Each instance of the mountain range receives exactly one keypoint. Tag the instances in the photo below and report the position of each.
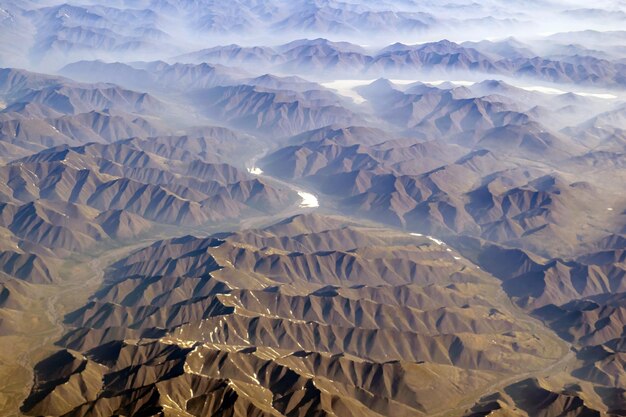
(312, 208)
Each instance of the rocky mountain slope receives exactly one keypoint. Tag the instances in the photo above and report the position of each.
(287, 320)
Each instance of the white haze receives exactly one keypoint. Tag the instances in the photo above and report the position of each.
(347, 88)
(186, 30)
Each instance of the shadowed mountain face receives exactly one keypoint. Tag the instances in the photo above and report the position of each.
(312, 208)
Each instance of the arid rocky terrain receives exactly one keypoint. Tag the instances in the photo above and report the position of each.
(312, 208)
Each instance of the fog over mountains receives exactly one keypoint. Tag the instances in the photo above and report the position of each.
(312, 208)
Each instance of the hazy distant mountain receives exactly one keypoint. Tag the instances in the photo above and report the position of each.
(233, 55)
(21, 89)
(154, 75)
(342, 60)
(268, 111)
